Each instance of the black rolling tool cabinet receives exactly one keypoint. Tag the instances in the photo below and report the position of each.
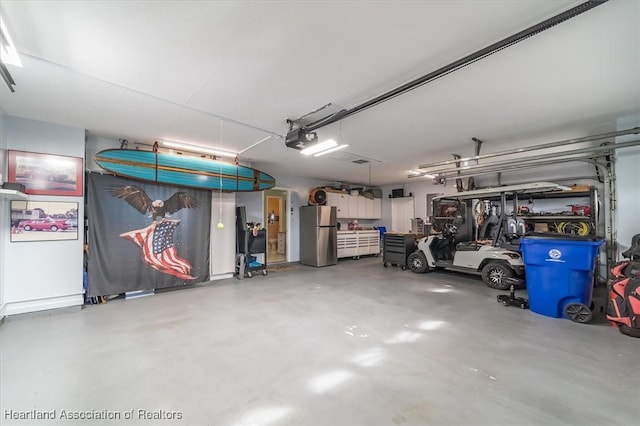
(397, 248)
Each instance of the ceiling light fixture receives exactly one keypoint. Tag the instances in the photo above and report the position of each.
(418, 173)
(321, 146)
(199, 148)
(335, 148)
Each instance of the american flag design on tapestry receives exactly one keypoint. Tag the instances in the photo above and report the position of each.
(158, 249)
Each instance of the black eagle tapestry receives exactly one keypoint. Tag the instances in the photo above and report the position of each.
(144, 236)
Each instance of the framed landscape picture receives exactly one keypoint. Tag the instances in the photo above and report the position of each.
(43, 221)
(46, 174)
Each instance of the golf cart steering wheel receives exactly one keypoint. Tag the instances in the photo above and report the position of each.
(449, 230)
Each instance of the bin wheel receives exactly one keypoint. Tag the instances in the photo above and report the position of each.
(385, 264)
(403, 267)
(578, 312)
(264, 272)
(249, 274)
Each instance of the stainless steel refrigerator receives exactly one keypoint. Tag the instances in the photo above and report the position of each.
(318, 236)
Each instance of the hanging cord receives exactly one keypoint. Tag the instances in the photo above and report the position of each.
(220, 224)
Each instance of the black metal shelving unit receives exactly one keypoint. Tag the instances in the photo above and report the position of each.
(583, 220)
(249, 242)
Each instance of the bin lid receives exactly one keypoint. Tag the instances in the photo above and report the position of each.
(556, 236)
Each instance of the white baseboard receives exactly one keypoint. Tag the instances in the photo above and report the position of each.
(221, 276)
(14, 308)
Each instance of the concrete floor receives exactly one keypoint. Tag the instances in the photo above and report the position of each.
(352, 344)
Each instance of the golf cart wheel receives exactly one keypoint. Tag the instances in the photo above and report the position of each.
(495, 275)
(417, 262)
(578, 312)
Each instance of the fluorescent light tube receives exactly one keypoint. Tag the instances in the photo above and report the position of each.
(8, 52)
(335, 148)
(330, 143)
(418, 173)
(200, 148)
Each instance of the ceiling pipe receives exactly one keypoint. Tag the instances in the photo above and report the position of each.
(443, 178)
(495, 169)
(609, 135)
(571, 179)
(590, 150)
(456, 65)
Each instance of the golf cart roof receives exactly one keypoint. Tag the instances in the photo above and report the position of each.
(525, 188)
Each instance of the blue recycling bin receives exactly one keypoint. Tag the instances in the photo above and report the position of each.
(559, 275)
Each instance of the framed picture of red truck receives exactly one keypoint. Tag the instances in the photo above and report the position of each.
(43, 221)
(46, 174)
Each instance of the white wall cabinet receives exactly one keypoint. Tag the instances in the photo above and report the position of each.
(341, 201)
(355, 206)
(377, 208)
(358, 243)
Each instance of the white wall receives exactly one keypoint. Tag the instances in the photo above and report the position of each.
(628, 186)
(223, 241)
(46, 274)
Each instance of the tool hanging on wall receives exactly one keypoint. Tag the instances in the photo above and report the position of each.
(459, 186)
(471, 184)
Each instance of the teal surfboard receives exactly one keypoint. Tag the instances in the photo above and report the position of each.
(180, 170)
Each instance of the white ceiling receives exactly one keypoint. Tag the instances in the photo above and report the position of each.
(147, 71)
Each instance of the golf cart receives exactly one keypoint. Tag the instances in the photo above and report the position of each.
(473, 233)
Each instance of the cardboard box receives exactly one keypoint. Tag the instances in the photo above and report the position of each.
(580, 188)
(541, 227)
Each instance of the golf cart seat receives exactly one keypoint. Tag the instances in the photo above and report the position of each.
(489, 228)
(514, 230)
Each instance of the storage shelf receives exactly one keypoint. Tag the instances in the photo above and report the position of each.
(563, 194)
(555, 217)
(12, 194)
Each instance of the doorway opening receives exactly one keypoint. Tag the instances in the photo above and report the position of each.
(275, 202)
